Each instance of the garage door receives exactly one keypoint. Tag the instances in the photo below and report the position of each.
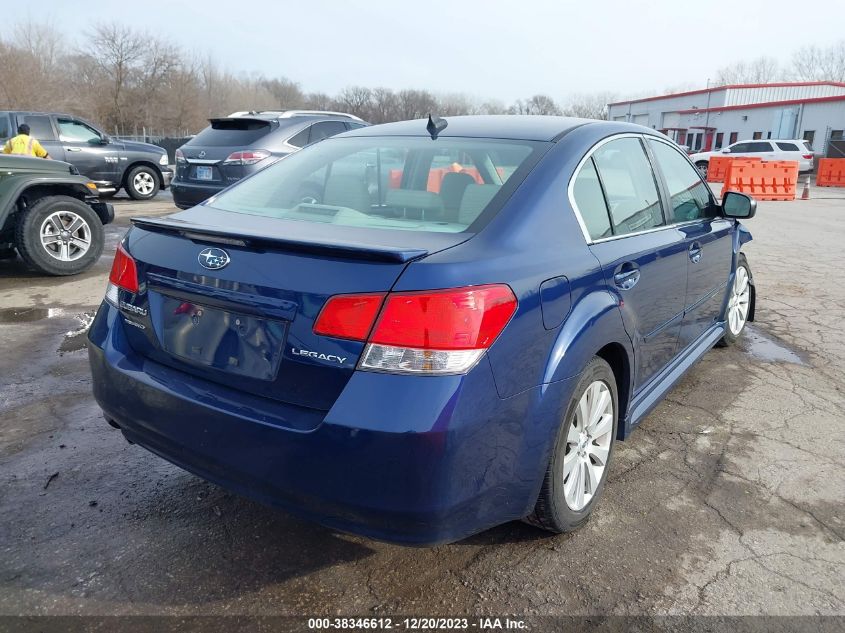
(640, 119)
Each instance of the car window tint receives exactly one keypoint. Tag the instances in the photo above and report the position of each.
(788, 147)
(759, 146)
(629, 186)
(739, 147)
(690, 197)
(354, 126)
(590, 201)
(75, 132)
(325, 129)
(40, 127)
(5, 127)
(300, 139)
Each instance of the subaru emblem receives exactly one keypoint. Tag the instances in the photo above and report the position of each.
(213, 258)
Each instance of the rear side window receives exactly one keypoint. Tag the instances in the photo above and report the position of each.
(40, 127)
(690, 197)
(629, 186)
(300, 139)
(231, 132)
(590, 201)
(788, 147)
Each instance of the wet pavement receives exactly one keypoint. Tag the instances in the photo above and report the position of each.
(727, 500)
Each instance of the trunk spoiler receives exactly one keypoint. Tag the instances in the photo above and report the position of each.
(239, 237)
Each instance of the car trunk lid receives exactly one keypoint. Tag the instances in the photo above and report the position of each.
(249, 324)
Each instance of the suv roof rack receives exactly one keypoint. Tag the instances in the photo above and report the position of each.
(286, 114)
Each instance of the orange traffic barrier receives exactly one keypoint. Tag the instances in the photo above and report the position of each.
(718, 166)
(776, 180)
(831, 172)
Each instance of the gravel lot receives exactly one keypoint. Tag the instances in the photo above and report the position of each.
(727, 500)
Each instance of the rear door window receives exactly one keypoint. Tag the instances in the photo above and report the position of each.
(40, 127)
(787, 147)
(759, 146)
(325, 129)
(232, 133)
(629, 186)
(690, 197)
(589, 199)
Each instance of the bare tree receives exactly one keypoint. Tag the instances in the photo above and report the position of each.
(416, 104)
(756, 71)
(286, 92)
(538, 105)
(813, 63)
(385, 106)
(357, 100)
(317, 101)
(589, 106)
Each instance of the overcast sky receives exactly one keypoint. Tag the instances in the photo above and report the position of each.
(485, 48)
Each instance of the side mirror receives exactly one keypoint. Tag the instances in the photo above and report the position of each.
(738, 205)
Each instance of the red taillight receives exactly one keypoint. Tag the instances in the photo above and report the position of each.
(180, 156)
(461, 318)
(246, 157)
(807, 156)
(124, 273)
(426, 332)
(349, 316)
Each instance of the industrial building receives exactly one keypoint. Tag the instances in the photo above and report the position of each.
(712, 118)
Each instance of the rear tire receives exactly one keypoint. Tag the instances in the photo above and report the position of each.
(59, 235)
(142, 183)
(582, 453)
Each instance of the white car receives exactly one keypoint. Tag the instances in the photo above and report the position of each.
(767, 149)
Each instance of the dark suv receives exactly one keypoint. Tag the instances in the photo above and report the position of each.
(140, 168)
(244, 142)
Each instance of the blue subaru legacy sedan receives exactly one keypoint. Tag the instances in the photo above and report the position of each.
(419, 330)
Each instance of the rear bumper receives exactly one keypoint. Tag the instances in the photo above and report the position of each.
(399, 458)
(186, 195)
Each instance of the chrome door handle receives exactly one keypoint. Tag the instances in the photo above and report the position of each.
(627, 279)
(695, 252)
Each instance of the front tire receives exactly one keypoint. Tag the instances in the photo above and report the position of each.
(142, 183)
(578, 467)
(739, 303)
(59, 235)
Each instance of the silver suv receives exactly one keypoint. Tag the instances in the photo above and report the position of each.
(244, 142)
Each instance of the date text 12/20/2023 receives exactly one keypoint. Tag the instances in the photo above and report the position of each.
(417, 624)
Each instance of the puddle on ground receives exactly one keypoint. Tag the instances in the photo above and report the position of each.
(29, 315)
(767, 348)
(74, 340)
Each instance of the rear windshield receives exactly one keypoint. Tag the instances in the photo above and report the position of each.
(236, 132)
(408, 183)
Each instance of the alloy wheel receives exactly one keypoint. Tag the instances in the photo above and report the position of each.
(739, 301)
(65, 236)
(144, 183)
(588, 444)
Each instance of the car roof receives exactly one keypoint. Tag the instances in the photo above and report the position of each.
(504, 126)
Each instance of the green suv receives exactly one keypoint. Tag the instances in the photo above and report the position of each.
(50, 215)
